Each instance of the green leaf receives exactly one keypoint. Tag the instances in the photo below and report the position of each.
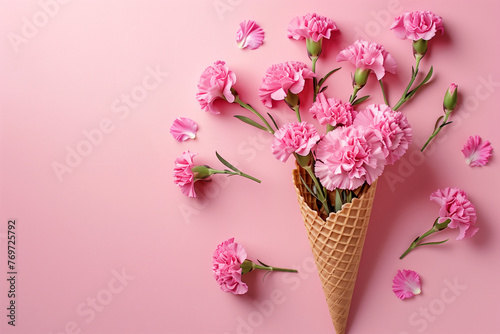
(427, 77)
(437, 122)
(323, 89)
(274, 122)
(308, 189)
(251, 122)
(322, 81)
(360, 100)
(225, 163)
(338, 200)
(262, 263)
(412, 71)
(433, 243)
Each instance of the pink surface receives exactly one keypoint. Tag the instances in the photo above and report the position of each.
(112, 246)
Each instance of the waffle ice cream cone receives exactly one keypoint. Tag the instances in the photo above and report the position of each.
(337, 244)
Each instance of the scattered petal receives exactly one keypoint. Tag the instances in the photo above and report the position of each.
(183, 129)
(476, 151)
(406, 284)
(249, 35)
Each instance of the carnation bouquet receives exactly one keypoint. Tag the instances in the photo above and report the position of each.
(337, 167)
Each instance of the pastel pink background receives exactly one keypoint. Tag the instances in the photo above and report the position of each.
(118, 209)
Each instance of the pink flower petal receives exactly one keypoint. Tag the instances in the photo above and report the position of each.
(476, 151)
(406, 284)
(183, 129)
(250, 35)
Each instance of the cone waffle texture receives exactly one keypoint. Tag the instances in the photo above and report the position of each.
(337, 244)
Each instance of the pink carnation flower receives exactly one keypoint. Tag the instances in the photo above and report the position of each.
(283, 78)
(294, 137)
(406, 284)
(183, 175)
(392, 128)
(348, 156)
(476, 151)
(227, 260)
(311, 26)
(183, 129)
(215, 83)
(456, 206)
(332, 111)
(369, 56)
(417, 25)
(250, 35)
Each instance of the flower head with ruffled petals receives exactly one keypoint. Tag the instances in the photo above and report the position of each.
(311, 26)
(226, 265)
(183, 175)
(282, 79)
(294, 137)
(215, 83)
(332, 111)
(456, 207)
(349, 156)
(417, 25)
(392, 127)
(369, 56)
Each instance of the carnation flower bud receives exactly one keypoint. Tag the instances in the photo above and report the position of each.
(419, 48)
(360, 77)
(313, 48)
(450, 97)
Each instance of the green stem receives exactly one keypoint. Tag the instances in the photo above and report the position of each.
(403, 98)
(320, 190)
(354, 93)
(297, 112)
(315, 80)
(415, 243)
(250, 108)
(437, 130)
(256, 266)
(383, 92)
(239, 173)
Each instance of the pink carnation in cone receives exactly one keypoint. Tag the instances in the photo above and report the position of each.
(283, 78)
(347, 157)
(294, 137)
(392, 127)
(226, 265)
(332, 111)
(417, 25)
(456, 206)
(215, 83)
(311, 26)
(183, 175)
(369, 56)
